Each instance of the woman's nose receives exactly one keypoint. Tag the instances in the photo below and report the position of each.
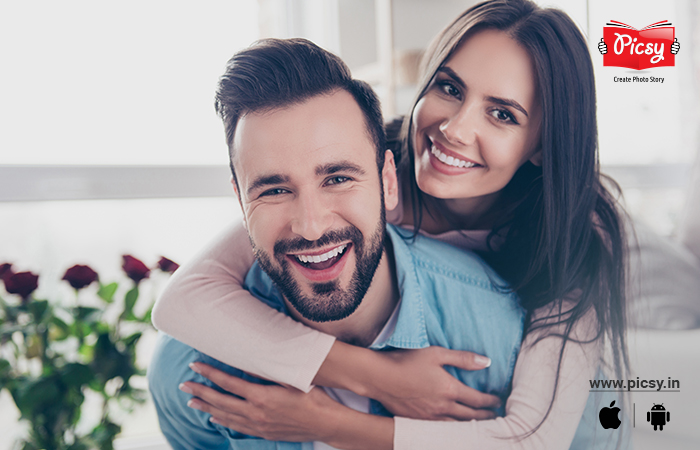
(460, 128)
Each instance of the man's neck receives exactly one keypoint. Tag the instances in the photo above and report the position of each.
(363, 326)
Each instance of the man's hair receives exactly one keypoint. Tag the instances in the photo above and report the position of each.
(277, 73)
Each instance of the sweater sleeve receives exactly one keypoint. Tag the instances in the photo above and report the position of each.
(533, 385)
(205, 306)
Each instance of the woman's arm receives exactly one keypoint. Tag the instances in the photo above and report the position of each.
(205, 306)
(268, 411)
(533, 384)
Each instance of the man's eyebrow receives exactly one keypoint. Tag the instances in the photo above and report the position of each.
(499, 100)
(341, 166)
(266, 180)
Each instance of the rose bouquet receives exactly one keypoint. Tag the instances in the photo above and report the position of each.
(52, 354)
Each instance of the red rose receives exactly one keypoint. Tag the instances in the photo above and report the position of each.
(5, 270)
(135, 269)
(80, 276)
(167, 265)
(21, 283)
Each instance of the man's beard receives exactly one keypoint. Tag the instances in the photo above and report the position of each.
(330, 301)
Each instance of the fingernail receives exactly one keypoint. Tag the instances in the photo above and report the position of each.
(213, 420)
(194, 404)
(194, 367)
(482, 360)
(184, 388)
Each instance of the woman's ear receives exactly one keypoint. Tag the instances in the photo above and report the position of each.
(536, 159)
(390, 181)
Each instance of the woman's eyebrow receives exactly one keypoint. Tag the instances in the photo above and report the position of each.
(499, 100)
(452, 74)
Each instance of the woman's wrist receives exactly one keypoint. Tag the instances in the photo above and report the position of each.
(351, 368)
(358, 431)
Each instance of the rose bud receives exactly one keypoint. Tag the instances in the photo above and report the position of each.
(167, 265)
(21, 283)
(135, 269)
(80, 276)
(5, 270)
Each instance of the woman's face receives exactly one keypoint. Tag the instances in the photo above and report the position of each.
(478, 121)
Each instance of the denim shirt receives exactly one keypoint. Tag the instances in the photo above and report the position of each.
(449, 298)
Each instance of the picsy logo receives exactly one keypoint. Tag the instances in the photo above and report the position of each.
(653, 46)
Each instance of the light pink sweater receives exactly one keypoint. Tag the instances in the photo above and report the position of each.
(205, 307)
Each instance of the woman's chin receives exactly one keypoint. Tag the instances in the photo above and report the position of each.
(434, 187)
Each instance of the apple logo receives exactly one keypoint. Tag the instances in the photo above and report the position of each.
(608, 417)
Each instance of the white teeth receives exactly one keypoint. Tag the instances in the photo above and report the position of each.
(449, 160)
(324, 257)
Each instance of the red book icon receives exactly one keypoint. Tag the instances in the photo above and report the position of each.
(639, 49)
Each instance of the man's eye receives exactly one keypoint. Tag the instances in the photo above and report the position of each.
(273, 192)
(337, 180)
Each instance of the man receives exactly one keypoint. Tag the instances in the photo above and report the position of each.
(312, 177)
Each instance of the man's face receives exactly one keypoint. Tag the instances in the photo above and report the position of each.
(312, 201)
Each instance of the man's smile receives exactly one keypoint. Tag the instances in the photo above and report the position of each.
(323, 265)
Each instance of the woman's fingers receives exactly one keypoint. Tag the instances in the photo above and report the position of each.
(461, 412)
(223, 418)
(230, 383)
(474, 399)
(463, 359)
(214, 398)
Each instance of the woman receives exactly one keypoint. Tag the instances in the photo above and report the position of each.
(499, 155)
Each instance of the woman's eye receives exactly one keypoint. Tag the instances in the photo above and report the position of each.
(448, 88)
(503, 115)
(337, 180)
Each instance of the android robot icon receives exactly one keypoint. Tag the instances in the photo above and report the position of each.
(658, 416)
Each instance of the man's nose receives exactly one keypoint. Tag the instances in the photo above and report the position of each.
(313, 216)
(460, 128)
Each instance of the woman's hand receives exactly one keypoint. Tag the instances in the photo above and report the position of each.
(282, 413)
(410, 383)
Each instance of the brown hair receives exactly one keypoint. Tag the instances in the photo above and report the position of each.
(274, 73)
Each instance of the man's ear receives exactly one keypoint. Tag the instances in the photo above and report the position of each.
(536, 159)
(235, 188)
(240, 203)
(390, 181)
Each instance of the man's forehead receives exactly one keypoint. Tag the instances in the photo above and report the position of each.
(324, 131)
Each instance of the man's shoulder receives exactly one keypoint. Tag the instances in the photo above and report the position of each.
(432, 257)
(169, 365)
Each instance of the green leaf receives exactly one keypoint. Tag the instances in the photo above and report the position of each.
(35, 394)
(86, 351)
(131, 341)
(76, 374)
(79, 444)
(129, 302)
(147, 317)
(107, 291)
(39, 309)
(104, 434)
(87, 314)
(59, 330)
(5, 374)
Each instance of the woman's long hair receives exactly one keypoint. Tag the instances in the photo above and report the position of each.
(559, 231)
